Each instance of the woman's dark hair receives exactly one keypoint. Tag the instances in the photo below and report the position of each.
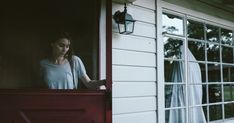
(63, 35)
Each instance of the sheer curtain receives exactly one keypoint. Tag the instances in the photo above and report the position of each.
(196, 115)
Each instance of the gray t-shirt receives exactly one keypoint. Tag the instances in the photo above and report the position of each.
(60, 76)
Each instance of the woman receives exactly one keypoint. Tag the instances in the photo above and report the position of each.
(62, 69)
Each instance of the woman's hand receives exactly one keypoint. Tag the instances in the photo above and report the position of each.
(103, 86)
(93, 84)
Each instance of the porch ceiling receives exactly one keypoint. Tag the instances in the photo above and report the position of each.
(226, 5)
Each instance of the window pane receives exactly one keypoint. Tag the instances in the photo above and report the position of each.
(213, 52)
(226, 37)
(172, 24)
(228, 92)
(214, 73)
(228, 73)
(175, 116)
(194, 73)
(227, 54)
(197, 49)
(174, 71)
(197, 115)
(215, 93)
(195, 94)
(172, 48)
(212, 33)
(205, 111)
(203, 71)
(215, 112)
(195, 30)
(204, 94)
(229, 109)
(167, 70)
(174, 96)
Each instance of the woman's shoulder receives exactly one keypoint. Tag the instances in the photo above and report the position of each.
(76, 58)
(45, 62)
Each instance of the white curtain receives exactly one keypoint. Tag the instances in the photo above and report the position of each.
(196, 115)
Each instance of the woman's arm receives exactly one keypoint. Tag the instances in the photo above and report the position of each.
(92, 84)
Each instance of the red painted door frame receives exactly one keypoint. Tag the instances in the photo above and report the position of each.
(109, 58)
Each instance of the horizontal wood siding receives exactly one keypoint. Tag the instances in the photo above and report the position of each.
(134, 66)
(140, 29)
(133, 74)
(126, 42)
(133, 104)
(137, 13)
(150, 4)
(142, 117)
(124, 57)
(130, 89)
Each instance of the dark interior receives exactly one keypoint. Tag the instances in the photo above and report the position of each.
(25, 28)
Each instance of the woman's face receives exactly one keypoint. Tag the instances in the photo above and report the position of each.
(60, 47)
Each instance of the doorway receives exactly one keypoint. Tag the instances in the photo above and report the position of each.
(25, 32)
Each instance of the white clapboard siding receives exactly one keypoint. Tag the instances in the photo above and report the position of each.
(145, 117)
(144, 29)
(136, 12)
(131, 105)
(130, 73)
(123, 57)
(135, 43)
(134, 66)
(130, 89)
(140, 29)
(145, 3)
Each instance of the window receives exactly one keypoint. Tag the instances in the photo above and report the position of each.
(198, 69)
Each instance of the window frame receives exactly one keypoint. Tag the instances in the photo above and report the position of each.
(162, 7)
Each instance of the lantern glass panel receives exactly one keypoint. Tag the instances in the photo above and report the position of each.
(129, 26)
(121, 28)
(126, 28)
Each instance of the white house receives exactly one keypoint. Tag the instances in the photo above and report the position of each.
(153, 82)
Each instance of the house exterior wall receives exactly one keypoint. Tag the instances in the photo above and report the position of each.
(134, 66)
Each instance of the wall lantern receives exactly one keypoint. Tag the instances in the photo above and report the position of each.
(125, 21)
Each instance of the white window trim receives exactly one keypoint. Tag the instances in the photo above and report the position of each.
(191, 14)
(160, 65)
